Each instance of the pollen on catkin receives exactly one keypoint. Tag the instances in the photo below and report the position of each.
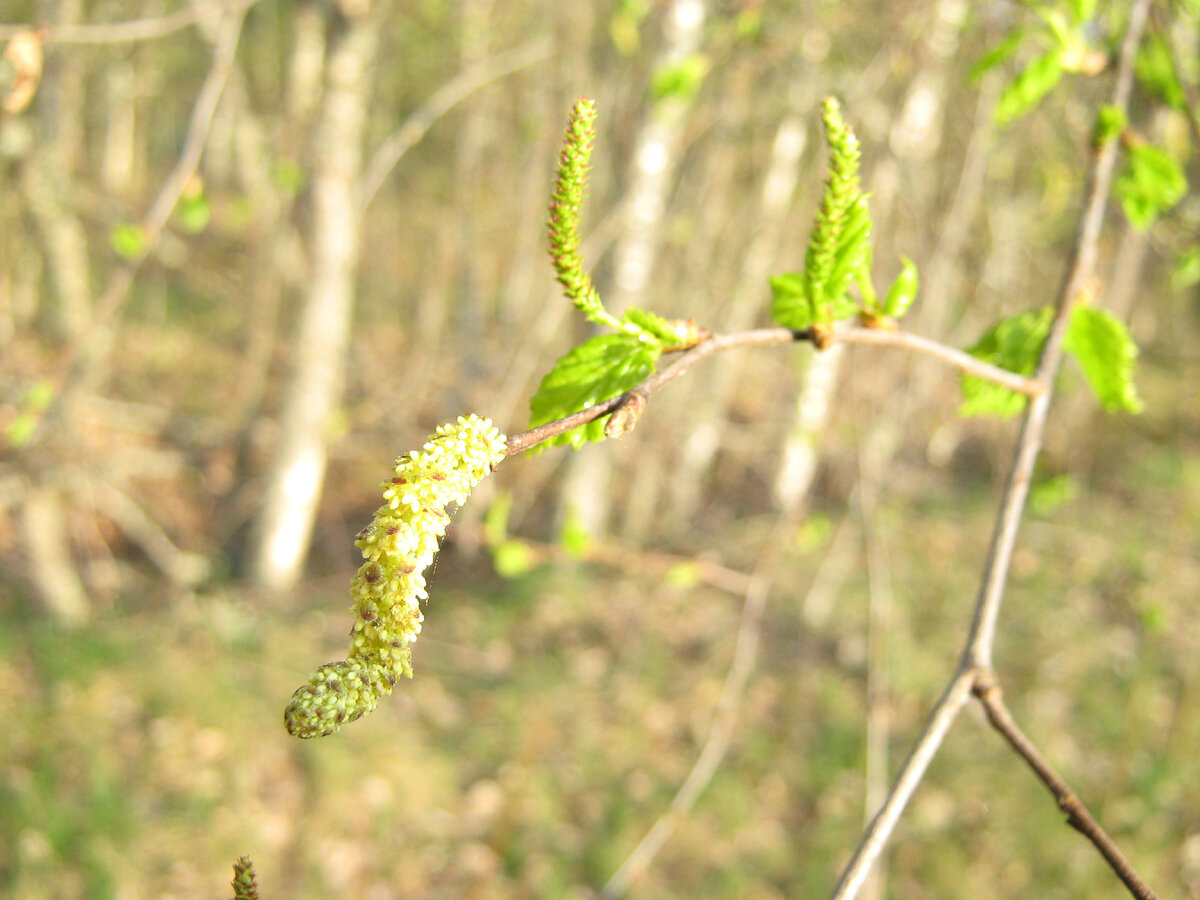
(397, 547)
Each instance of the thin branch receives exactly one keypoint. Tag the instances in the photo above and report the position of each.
(399, 142)
(84, 357)
(145, 29)
(876, 835)
(1191, 96)
(963, 361)
(1077, 285)
(527, 439)
(715, 745)
(988, 692)
(977, 653)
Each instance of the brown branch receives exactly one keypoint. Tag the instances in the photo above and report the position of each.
(977, 652)
(439, 103)
(82, 361)
(527, 439)
(145, 29)
(987, 691)
(960, 360)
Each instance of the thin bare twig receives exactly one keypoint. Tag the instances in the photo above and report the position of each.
(131, 30)
(84, 357)
(716, 744)
(977, 653)
(965, 362)
(987, 691)
(439, 103)
(720, 731)
(1077, 285)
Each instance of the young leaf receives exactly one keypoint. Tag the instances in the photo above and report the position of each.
(1156, 71)
(1014, 344)
(653, 328)
(680, 80)
(1151, 183)
(1106, 354)
(128, 240)
(1030, 86)
(903, 290)
(1110, 122)
(600, 368)
(790, 306)
(998, 54)
(840, 243)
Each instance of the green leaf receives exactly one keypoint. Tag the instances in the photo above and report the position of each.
(289, 175)
(997, 55)
(128, 240)
(851, 254)
(790, 306)
(1106, 353)
(575, 538)
(601, 367)
(903, 291)
(1047, 496)
(513, 558)
(653, 327)
(1110, 122)
(193, 213)
(1082, 10)
(1030, 86)
(1156, 71)
(1014, 344)
(680, 80)
(1152, 183)
(1185, 273)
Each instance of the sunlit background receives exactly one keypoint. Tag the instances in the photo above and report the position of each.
(358, 255)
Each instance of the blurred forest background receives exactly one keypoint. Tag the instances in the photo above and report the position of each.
(200, 398)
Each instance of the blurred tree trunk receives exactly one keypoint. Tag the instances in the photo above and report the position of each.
(47, 540)
(297, 470)
(46, 182)
(587, 485)
(709, 405)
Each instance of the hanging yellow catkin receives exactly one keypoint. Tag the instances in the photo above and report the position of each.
(388, 588)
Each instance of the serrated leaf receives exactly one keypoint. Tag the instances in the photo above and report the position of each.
(903, 291)
(1106, 353)
(1029, 87)
(1152, 183)
(1014, 344)
(653, 326)
(790, 306)
(849, 259)
(601, 367)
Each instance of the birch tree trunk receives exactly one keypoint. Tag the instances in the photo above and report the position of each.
(297, 471)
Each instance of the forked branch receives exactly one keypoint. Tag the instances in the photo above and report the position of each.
(976, 661)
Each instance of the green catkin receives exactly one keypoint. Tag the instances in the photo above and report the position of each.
(245, 887)
(397, 547)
